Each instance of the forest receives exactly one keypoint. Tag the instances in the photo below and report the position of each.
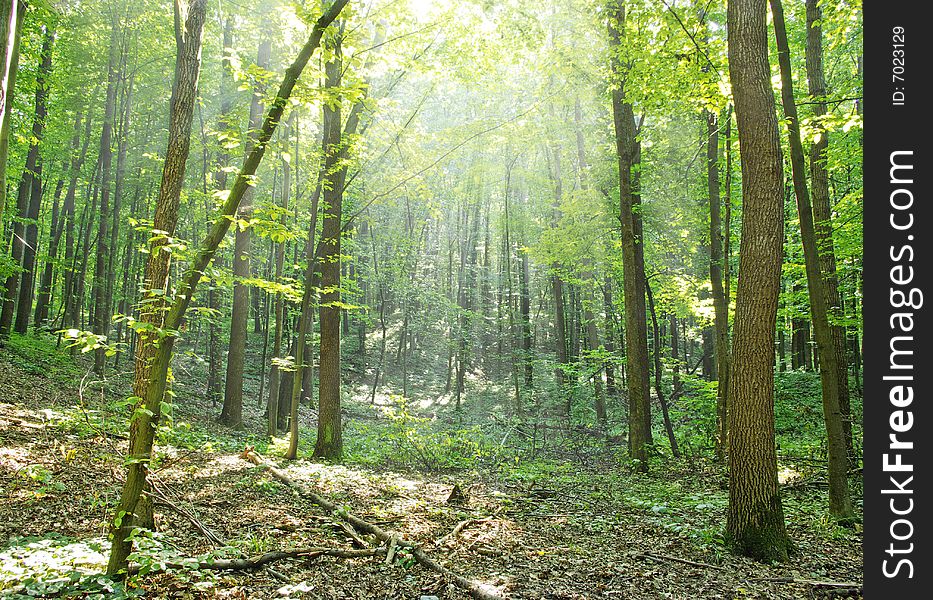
(430, 299)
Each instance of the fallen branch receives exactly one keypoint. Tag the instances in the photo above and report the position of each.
(256, 562)
(654, 556)
(159, 497)
(477, 590)
(813, 582)
(460, 527)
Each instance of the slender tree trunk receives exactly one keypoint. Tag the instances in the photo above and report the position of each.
(557, 284)
(153, 351)
(822, 217)
(636, 330)
(30, 253)
(658, 375)
(101, 276)
(610, 328)
(12, 14)
(215, 295)
(720, 303)
(273, 405)
(232, 411)
(840, 503)
(28, 200)
(120, 183)
(755, 516)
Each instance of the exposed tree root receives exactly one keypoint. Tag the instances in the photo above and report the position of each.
(477, 590)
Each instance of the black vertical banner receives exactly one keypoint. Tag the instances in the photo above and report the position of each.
(898, 253)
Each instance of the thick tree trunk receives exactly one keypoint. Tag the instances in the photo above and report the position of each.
(329, 444)
(755, 516)
(840, 503)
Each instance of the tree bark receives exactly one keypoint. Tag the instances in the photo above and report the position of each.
(720, 302)
(273, 403)
(101, 312)
(633, 265)
(154, 348)
(822, 217)
(232, 411)
(29, 197)
(329, 442)
(755, 516)
(12, 13)
(214, 295)
(840, 503)
(658, 373)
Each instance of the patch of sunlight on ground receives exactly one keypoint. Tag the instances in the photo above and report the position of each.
(787, 475)
(13, 459)
(53, 558)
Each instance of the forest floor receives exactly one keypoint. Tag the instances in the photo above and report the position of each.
(579, 527)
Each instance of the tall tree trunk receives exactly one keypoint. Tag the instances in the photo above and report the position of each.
(29, 196)
(153, 351)
(557, 284)
(636, 327)
(822, 217)
(720, 302)
(755, 516)
(840, 504)
(120, 179)
(101, 302)
(232, 411)
(273, 405)
(524, 306)
(329, 442)
(12, 13)
(658, 374)
(214, 295)
(27, 285)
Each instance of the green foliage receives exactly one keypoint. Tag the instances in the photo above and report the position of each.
(695, 414)
(59, 566)
(406, 440)
(798, 413)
